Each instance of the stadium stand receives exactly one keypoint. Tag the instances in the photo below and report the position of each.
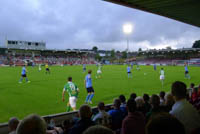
(19, 57)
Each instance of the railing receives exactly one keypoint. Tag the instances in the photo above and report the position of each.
(58, 118)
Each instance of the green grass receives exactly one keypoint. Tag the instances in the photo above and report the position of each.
(43, 94)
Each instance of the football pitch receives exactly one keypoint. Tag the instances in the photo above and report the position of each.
(43, 95)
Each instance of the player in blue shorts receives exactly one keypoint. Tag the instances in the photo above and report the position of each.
(187, 76)
(131, 65)
(154, 67)
(84, 67)
(23, 75)
(129, 72)
(88, 85)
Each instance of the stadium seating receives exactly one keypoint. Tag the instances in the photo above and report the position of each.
(19, 60)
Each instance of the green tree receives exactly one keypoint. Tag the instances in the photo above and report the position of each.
(168, 48)
(112, 53)
(98, 57)
(95, 49)
(124, 54)
(140, 49)
(196, 44)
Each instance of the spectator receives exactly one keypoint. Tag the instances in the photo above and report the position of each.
(32, 124)
(155, 103)
(182, 109)
(164, 123)
(67, 125)
(12, 124)
(162, 98)
(85, 113)
(102, 118)
(134, 123)
(140, 104)
(98, 130)
(199, 91)
(133, 96)
(122, 98)
(147, 105)
(116, 115)
(194, 96)
(169, 102)
(189, 91)
(123, 105)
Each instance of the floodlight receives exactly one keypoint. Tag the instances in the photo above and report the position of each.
(127, 28)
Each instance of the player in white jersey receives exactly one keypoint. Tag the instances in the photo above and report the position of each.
(138, 67)
(39, 68)
(99, 72)
(162, 75)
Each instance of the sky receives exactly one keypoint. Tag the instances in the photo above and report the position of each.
(82, 24)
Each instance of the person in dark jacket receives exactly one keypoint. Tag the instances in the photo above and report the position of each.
(134, 123)
(85, 113)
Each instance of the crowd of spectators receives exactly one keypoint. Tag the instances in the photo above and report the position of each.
(19, 60)
(176, 112)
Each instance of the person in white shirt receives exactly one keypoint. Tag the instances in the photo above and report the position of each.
(182, 109)
(162, 75)
(102, 118)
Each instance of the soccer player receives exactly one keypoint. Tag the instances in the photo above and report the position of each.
(73, 91)
(47, 68)
(162, 75)
(84, 67)
(154, 67)
(99, 72)
(129, 71)
(187, 76)
(23, 75)
(39, 68)
(131, 65)
(88, 85)
(138, 67)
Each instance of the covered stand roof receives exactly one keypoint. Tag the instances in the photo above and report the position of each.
(187, 11)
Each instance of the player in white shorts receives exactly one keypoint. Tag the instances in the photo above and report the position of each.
(73, 91)
(162, 75)
(99, 72)
(39, 68)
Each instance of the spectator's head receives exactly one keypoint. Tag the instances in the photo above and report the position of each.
(164, 123)
(98, 129)
(117, 104)
(179, 90)
(169, 100)
(122, 99)
(32, 124)
(101, 106)
(133, 96)
(192, 85)
(146, 97)
(13, 123)
(131, 105)
(89, 71)
(69, 78)
(85, 111)
(139, 101)
(155, 100)
(162, 94)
